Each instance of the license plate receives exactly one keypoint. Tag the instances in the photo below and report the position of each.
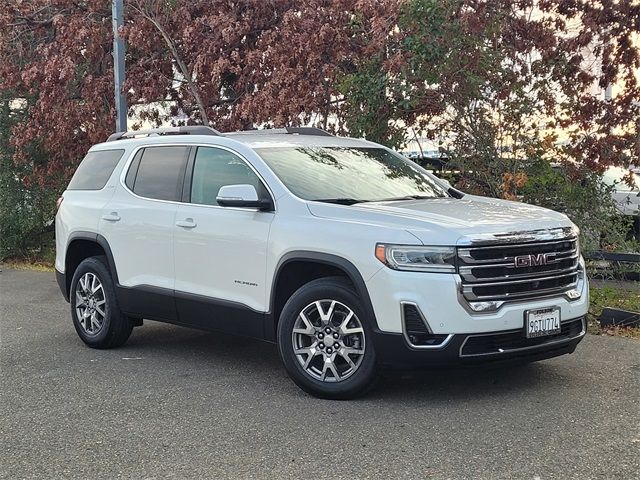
(542, 322)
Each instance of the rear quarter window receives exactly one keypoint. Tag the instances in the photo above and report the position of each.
(95, 169)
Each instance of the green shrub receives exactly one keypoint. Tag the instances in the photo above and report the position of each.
(585, 199)
(26, 211)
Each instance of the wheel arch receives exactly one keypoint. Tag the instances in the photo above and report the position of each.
(325, 264)
(83, 245)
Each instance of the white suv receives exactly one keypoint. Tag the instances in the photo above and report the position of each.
(347, 255)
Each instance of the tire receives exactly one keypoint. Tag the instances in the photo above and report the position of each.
(94, 308)
(303, 330)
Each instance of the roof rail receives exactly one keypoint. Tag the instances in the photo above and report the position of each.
(308, 131)
(286, 130)
(188, 130)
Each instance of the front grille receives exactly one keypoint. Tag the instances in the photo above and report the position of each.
(504, 342)
(416, 329)
(521, 271)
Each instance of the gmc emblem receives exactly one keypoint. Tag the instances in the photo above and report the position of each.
(533, 260)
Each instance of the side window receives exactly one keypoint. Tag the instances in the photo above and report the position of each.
(215, 168)
(95, 169)
(130, 180)
(161, 173)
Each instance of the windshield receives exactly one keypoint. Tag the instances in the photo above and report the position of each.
(348, 174)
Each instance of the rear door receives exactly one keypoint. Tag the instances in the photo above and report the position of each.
(138, 224)
(220, 252)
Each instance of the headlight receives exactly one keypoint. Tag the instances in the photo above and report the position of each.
(417, 258)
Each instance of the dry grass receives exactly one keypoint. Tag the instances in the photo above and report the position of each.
(23, 265)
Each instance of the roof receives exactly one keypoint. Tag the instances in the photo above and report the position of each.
(263, 139)
(266, 138)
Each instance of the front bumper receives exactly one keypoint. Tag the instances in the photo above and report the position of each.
(438, 297)
(506, 346)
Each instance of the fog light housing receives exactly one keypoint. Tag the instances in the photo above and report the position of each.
(573, 294)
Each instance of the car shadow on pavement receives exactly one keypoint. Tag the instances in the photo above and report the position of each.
(471, 382)
(241, 357)
(210, 348)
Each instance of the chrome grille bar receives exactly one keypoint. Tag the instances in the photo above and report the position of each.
(573, 254)
(496, 272)
(545, 292)
(467, 275)
(520, 245)
(466, 254)
(490, 262)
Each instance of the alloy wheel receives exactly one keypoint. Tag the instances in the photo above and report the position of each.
(90, 303)
(328, 340)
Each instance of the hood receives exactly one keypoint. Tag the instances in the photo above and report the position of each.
(450, 221)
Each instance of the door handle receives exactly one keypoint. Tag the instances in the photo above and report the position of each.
(186, 223)
(111, 217)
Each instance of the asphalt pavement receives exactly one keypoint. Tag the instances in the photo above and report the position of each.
(178, 403)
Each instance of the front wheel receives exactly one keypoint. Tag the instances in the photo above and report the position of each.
(325, 340)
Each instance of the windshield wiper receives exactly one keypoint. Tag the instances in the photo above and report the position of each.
(407, 197)
(353, 201)
(339, 201)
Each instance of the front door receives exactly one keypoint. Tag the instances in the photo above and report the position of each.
(220, 252)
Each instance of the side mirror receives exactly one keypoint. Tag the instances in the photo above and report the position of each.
(244, 196)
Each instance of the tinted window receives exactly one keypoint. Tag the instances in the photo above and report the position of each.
(348, 173)
(215, 168)
(95, 169)
(161, 173)
(133, 170)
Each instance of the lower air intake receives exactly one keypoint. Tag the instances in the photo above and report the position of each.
(500, 342)
(416, 329)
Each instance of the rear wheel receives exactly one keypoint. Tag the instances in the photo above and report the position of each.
(325, 342)
(94, 307)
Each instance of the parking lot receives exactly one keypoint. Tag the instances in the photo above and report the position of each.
(178, 403)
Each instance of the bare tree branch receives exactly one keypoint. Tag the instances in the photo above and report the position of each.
(153, 18)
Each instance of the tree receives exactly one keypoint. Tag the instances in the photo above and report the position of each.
(252, 63)
(26, 211)
(56, 98)
(235, 64)
(58, 54)
(511, 86)
(504, 79)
